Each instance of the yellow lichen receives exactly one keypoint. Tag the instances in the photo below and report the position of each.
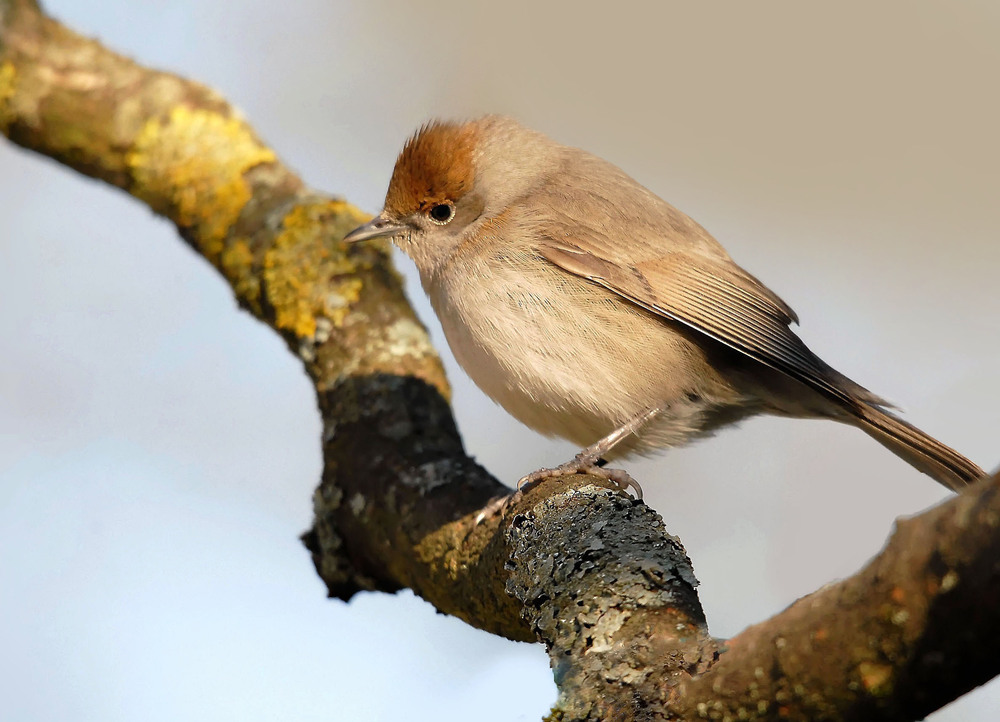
(306, 276)
(8, 74)
(236, 264)
(190, 167)
(876, 678)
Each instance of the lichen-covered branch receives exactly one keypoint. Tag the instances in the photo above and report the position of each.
(916, 628)
(578, 566)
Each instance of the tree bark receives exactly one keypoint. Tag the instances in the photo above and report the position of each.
(573, 563)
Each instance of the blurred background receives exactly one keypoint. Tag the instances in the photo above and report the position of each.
(158, 447)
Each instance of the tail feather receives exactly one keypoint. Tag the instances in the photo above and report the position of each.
(923, 452)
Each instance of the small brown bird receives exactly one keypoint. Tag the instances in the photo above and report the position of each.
(591, 309)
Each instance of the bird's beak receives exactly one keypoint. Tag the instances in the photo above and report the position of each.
(377, 227)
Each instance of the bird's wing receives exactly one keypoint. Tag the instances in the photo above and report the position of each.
(713, 296)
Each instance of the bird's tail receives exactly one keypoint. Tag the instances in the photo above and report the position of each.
(923, 452)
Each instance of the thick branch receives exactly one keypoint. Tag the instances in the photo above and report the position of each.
(915, 629)
(587, 571)
(398, 486)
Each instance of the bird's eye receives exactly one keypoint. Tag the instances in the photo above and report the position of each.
(441, 213)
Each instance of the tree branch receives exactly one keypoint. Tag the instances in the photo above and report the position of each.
(913, 630)
(580, 567)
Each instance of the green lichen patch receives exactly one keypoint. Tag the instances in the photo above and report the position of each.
(190, 167)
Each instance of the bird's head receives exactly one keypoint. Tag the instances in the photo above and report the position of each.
(449, 178)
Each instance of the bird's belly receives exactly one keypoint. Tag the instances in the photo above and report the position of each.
(579, 362)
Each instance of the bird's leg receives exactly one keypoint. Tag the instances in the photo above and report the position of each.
(590, 461)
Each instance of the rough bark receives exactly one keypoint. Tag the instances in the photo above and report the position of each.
(574, 564)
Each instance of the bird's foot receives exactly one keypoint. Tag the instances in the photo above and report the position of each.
(497, 505)
(583, 463)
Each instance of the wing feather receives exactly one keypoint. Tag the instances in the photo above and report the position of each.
(714, 297)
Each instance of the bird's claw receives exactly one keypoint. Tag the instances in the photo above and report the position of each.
(582, 464)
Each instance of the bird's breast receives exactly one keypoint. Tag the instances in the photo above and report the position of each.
(562, 355)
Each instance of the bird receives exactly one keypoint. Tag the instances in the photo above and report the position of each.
(592, 310)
